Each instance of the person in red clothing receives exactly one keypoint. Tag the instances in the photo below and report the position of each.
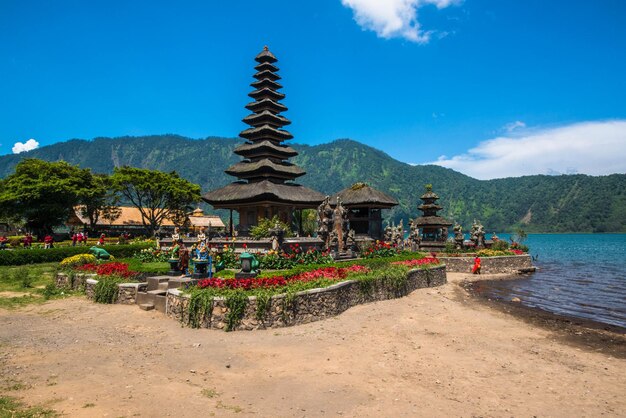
(3, 242)
(476, 266)
(48, 241)
(28, 240)
(74, 239)
(101, 240)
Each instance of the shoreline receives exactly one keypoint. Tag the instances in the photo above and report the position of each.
(581, 332)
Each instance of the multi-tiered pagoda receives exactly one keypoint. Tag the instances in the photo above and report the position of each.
(265, 185)
(433, 228)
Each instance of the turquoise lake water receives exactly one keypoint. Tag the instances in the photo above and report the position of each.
(580, 275)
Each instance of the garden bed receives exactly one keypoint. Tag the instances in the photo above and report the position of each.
(302, 307)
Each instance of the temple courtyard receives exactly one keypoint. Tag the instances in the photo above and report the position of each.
(437, 352)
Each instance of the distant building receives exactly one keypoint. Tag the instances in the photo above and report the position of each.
(130, 221)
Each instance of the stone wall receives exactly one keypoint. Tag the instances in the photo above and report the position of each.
(74, 282)
(308, 306)
(512, 264)
(127, 293)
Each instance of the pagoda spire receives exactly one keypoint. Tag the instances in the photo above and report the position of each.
(265, 155)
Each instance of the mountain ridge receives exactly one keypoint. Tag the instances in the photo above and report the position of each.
(539, 203)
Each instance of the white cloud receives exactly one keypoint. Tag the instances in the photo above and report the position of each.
(29, 145)
(394, 18)
(510, 127)
(594, 148)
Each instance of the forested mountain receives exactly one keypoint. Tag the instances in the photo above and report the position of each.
(566, 203)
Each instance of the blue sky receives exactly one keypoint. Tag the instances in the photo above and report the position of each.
(489, 88)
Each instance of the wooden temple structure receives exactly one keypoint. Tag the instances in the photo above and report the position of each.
(265, 186)
(364, 205)
(433, 228)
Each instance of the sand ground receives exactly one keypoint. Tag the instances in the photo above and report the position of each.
(436, 352)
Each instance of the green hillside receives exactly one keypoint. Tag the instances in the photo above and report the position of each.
(566, 203)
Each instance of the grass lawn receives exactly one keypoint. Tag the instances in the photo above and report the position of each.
(23, 285)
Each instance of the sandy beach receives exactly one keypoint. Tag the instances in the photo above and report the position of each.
(436, 352)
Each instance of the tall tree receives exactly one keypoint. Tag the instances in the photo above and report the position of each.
(156, 194)
(43, 193)
(99, 200)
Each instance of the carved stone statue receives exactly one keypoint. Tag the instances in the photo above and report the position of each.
(414, 236)
(477, 234)
(397, 235)
(388, 234)
(339, 227)
(458, 236)
(325, 221)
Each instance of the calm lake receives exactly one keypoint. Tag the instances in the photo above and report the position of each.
(580, 275)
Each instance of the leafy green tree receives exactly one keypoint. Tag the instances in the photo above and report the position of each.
(43, 193)
(156, 194)
(99, 200)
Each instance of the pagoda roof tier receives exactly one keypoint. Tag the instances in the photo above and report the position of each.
(265, 132)
(264, 168)
(266, 66)
(361, 194)
(429, 195)
(429, 206)
(265, 148)
(266, 118)
(265, 56)
(431, 221)
(266, 83)
(266, 93)
(266, 74)
(266, 104)
(244, 193)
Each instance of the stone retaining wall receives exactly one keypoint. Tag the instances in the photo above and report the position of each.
(308, 306)
(127, 293)
(511, 264)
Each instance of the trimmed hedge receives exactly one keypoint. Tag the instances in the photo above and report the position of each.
(40, 255)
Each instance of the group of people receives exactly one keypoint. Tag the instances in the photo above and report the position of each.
(79, 238)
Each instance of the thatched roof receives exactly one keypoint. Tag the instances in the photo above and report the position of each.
(265, 166)
(266, 74)
(266, 117)
(266, 83)
(361, 194)
(266, 93)
(265, 148)
(265, 131)
(265, 56)
(266, 104)
(431, 221)
(245, 193)
(266, 66)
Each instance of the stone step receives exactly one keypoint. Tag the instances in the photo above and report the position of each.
(177, 282)
(157, 292)
(146, 306)
(145, 297)
(160, 303)
(155, 281)
(163, 286)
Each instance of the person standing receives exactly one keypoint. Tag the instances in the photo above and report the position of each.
(476, 266)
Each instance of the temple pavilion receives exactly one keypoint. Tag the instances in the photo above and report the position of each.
(433, 228)
(364, 205)
(265, 186)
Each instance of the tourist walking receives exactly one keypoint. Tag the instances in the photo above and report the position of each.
(28, 240)
(476, 266)
(48, 241)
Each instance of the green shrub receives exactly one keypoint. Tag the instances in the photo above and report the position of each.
(22, 275)
(106, 289)
(262, 230)
(500, 245)
(39, 255)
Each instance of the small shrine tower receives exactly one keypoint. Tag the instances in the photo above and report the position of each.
(433, 228)
(265, 185)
